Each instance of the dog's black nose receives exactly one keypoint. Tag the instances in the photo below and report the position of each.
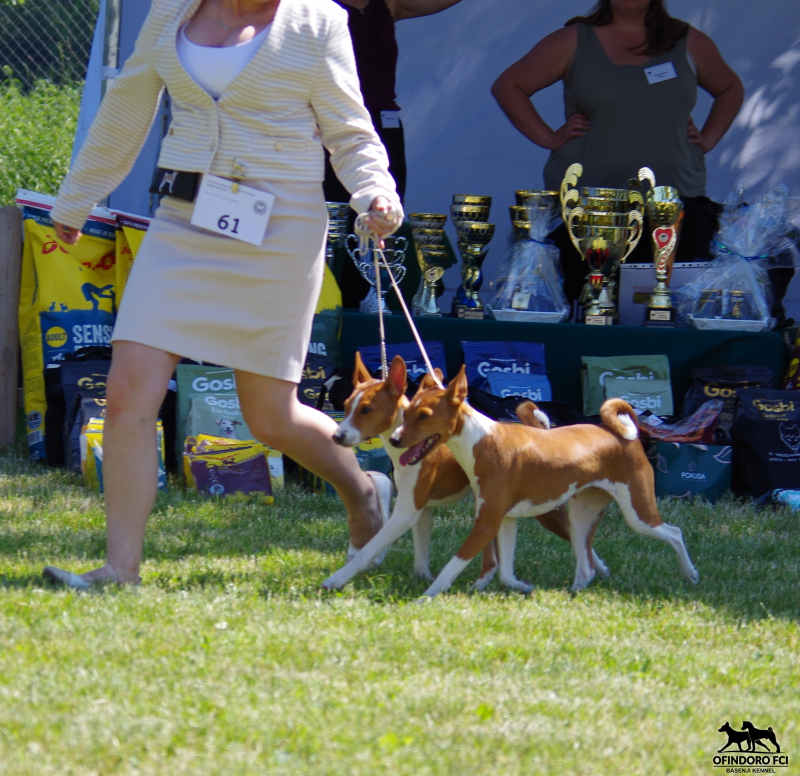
(338, 437)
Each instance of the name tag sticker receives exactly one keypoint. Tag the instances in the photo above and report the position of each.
(242, 214)
(390, 119)
(658, 73)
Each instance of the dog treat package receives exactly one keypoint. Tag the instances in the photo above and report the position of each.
(209, 444)
(91, 451)
(722, 382)
(217, 414)
(512, 358)
(85, 410)
(596, 370)
(685, 470)
(642, 395)
(130, 233)
(82, 373)
(223, 467)
(766, 442)
(698, 428)
(326, 329)
(792, 380)
(318, 370)
(68, 299)
(534, 387)
(410, 353)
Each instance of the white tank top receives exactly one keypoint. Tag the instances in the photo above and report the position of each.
(213, 67)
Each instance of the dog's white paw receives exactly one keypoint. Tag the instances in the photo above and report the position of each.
(692, 575)
(601, 568)
(423, 572)
(334, 581)
(518, 585)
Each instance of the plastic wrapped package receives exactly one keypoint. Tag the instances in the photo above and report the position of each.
(734, 290)
(528, 285)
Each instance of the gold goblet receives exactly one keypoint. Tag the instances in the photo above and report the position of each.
(427, 230)
(338, 221)
(473, 237)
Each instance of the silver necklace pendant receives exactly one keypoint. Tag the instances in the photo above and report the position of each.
(222, 24)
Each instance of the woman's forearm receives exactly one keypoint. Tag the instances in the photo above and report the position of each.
(724, 110)
(520, 112)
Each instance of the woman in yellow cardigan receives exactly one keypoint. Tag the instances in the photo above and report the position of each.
(258, 87)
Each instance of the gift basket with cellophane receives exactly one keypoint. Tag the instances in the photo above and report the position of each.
(734, 291)
(528, 283)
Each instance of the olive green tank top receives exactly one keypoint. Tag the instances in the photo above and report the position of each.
(634, 123)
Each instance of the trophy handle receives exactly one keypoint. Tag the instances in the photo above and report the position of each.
(646, 174)
(635, 198)
(400, 244)
(354, 253)
(568, 191)
(576, 212)
(634, 231)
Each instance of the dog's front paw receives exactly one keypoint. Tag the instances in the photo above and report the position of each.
(692, 575)
(518, 585)
(423, 572)
(335, 581)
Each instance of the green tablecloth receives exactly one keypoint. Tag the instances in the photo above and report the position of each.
(565, 344)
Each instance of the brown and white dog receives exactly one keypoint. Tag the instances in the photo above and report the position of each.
(518, 471)
(376, 408)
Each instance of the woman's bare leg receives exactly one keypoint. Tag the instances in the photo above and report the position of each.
(137, 383)
(277, 418)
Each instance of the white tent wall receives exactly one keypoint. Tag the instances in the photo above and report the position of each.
(458, 141)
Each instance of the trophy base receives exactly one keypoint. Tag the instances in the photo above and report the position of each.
(599, 320)
(371, 309)
(660, 316)
(470, 313)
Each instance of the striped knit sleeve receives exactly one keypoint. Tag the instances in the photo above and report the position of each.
(357, 154)
(117, 134)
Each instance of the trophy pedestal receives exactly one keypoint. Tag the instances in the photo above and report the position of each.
(463, 311)
(372, 305)
(660, 316)
(599, 320)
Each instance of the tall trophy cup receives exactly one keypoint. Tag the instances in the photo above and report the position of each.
(470, 214)
(338, 221)
(427, 230)
(604, 225)
(395, 252)
(664, 209)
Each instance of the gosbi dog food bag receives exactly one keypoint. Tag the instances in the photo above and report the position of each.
(410, 353)
(534, 387)
(512, 358)
(653, 395)
(766, 442)
(130, 233)
(68, 299)
(596, 370)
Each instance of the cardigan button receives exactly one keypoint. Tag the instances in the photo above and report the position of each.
(279, 146)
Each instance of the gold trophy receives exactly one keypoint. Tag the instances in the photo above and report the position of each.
(664, 208)
(338, 220)
(470, 214)
(433, 258)
(604, 225)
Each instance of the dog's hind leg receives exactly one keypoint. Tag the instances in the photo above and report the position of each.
(404, 516)
(421, 533)
(557, 522)
(638, 504)
(506, 547)
(585, 510)
(488, 566)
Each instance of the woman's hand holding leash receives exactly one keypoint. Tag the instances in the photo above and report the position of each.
(383, 218)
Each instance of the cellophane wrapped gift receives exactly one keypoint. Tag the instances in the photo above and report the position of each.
(734, 290)
(529, 276)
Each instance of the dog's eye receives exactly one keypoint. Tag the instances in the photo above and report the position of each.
(366, 410)
(422, 416)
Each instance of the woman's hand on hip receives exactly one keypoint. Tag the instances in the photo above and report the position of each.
(577, 125)
(67, 234)
(696, 137)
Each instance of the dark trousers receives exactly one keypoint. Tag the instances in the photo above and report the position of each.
(354, 288)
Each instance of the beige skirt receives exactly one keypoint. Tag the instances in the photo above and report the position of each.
(210, 298)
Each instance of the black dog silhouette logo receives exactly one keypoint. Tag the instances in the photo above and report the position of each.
(751, 736)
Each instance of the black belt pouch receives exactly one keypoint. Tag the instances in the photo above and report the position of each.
(175, 183)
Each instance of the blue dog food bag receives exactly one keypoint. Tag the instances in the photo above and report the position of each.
(410, 353)
(534, 387)
(510, 358)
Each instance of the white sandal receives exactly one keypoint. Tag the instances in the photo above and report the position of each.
(66, 578)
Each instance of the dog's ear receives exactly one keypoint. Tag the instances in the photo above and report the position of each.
(457, 390)
(236, 423)
(217, 422)
(361, 374)
(396, 379)
(428, 381)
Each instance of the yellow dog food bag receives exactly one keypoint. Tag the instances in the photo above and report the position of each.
(68, 298)
(130, 233)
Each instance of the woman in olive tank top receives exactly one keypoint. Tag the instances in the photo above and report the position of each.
(630, 74)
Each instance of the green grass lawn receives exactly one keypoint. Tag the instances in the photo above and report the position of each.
(230, 659)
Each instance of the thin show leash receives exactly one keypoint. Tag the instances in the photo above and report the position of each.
(365, 236)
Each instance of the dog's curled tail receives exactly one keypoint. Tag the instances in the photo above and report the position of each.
(618, 416)
(531, 415)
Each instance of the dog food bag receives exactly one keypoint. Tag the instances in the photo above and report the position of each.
(410, 353)
(68, 299)
(698, 428)
(312, 390)
(512, 358)
(217, 415)
(642, 395)
(685, 470)
(534, 387)
(596, 370)
(766, 442)
(210, 444)
(326, 330)
(723, 382)
(130, 233)
(792, 380)
(221, 467)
